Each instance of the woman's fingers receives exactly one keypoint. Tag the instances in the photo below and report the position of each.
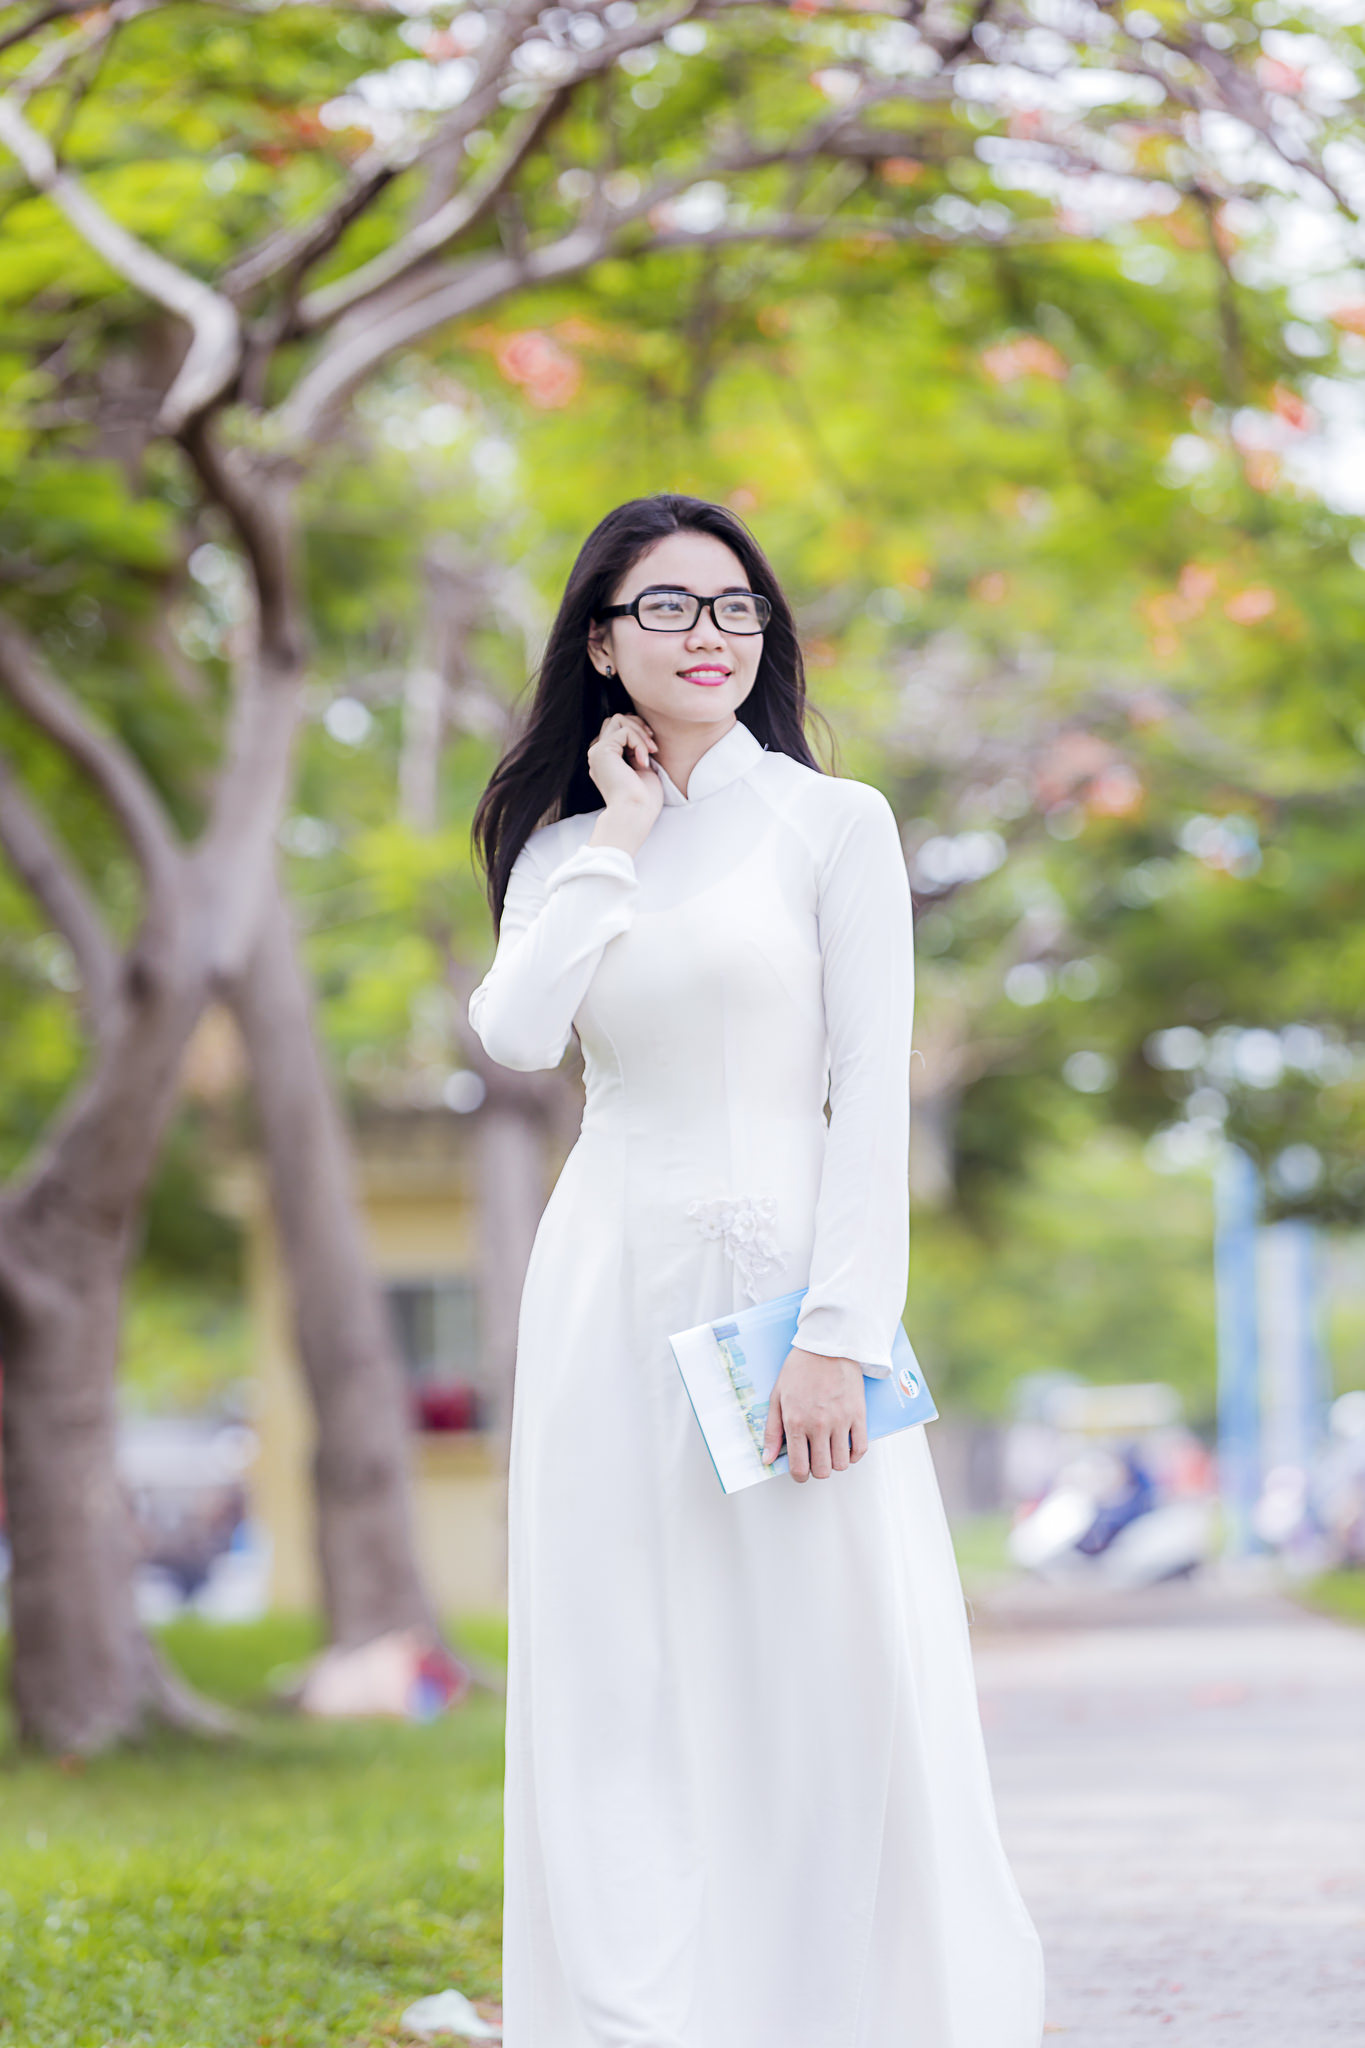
(772, 1428)
(818, 1404)
(798, 1453)
(629, 737)
(621, 726)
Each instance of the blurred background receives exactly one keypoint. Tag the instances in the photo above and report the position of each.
(1028, 341)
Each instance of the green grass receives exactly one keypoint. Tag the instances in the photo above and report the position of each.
(294, 1888)
(1338, 1593)
(979, 1542)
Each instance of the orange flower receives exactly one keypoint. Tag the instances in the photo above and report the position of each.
(581, 333)
(1248, 607)
(1148, 708)
(1029, 356)
(1026, 124)
(1261, 467)
(549, 376)
(1116, 792)
(1075, 760)
(1292, 409)
(992, 588)
(1276, 76)
(900, 170)
(1184, 231)
(1196, 584)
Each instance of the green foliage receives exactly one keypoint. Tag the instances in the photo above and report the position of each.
(299, 1885)
(1340, 1594)
(183, 1227)
(186, 1346)
(1093, 1265)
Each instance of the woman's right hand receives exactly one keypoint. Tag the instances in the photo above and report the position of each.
(620, 766)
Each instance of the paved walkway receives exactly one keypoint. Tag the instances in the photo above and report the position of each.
(1181, 1782)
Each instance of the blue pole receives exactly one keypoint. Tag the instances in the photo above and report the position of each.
(1237, 1206)
(1315, 1381)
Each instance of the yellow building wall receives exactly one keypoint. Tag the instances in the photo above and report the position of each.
(459, 1488)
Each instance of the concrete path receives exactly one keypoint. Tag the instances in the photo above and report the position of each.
(1181, 1782)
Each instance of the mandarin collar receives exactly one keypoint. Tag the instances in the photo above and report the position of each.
(727, 758)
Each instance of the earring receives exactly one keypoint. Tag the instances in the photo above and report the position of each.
(610, 670)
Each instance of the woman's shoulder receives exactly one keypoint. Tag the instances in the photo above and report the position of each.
(550, 844)
(822, 802)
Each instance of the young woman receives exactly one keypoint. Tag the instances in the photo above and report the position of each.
(747, 1803)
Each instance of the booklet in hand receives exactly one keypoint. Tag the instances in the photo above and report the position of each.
(730, 1367)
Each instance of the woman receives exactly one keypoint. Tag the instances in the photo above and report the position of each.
(746, 1803)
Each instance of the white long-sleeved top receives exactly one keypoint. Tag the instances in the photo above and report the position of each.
(754, 955)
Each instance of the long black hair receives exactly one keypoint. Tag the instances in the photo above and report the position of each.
(544, 775)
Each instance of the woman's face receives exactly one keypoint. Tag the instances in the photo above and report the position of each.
(697, 677)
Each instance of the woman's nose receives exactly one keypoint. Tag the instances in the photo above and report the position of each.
(706, 633)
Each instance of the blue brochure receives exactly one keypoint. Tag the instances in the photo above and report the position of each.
(730, 1366)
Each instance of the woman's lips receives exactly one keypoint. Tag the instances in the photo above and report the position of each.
(709, 678)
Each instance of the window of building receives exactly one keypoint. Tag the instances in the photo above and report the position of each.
(437, 1329)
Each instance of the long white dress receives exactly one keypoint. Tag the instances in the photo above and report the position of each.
(747, 1802)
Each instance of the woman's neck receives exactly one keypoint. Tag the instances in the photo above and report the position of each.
(682, 746)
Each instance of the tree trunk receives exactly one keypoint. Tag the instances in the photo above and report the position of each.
(83, 1671)
(370, 1577)
(78, 1677)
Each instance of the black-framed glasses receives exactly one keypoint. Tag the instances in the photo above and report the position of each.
(677, 611)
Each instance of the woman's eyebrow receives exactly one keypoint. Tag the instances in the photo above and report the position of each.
(686, 590)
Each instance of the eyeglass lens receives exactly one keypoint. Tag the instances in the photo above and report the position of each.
(668, 611)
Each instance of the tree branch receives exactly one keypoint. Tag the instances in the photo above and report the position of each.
(214, 354)
(34, 690)
(295, 250)
(250, 491)
(41, 20)
(234, 852)
(1227, 87)
(55, 885)
(1229, 324)
(291, 251)
(458, 290)
(96, 29)
(459, 214)
(411, 306)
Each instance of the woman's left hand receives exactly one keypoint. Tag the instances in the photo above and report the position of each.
(821, 1405)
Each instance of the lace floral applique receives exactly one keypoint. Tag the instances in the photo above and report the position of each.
(744, 1222)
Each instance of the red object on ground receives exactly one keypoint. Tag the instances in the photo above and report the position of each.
(447, 1405)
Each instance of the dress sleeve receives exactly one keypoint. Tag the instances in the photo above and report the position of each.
(554, 928)
(860, 1260)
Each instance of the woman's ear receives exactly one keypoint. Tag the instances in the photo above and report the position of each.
(597, 651)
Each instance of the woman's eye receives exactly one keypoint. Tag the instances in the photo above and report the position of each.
(664, 605)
